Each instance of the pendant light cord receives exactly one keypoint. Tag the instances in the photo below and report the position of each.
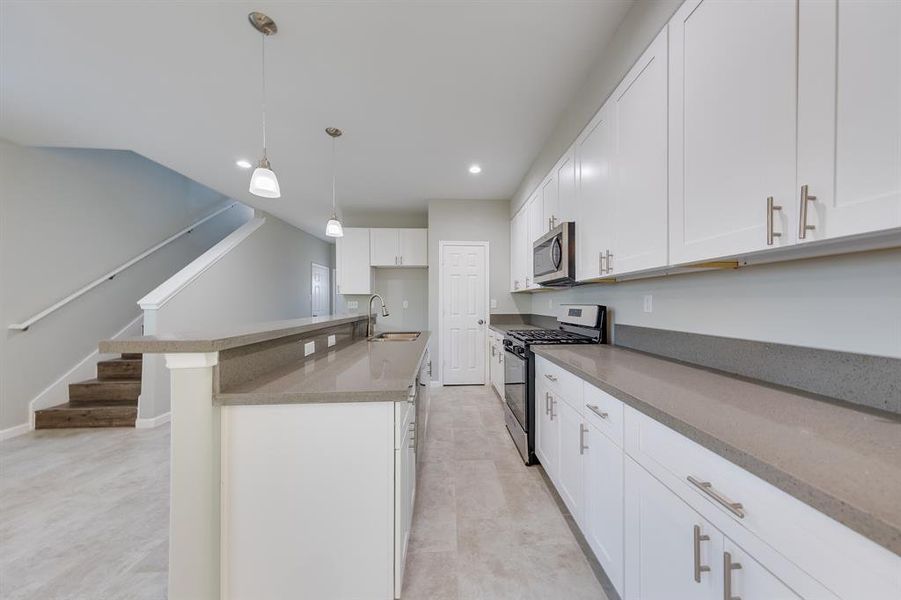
(334, 168)
(263, 87)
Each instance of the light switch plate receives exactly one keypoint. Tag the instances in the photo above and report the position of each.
(494, 303)
(331, 341)
(309, 348)
(406, 304)
(353, 304)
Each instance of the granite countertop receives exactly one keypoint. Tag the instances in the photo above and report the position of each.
(843, 461)
(363, 371)
(224, 338)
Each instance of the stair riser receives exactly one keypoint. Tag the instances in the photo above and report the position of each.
(116, 370)
(105, 392)
(99, 417)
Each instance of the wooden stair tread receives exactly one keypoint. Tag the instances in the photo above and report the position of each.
(109, 390)
(94, 414)
(120, 369)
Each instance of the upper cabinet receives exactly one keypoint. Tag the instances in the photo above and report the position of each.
(849, 94)
(352, 273)
(565, 177)
(639, 205)
(594, 153)
(399, 248)
(732, 127)
(550, 204)
(518, 235)
(536, 229)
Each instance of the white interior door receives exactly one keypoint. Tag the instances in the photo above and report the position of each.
(464, 312)
(320, 290)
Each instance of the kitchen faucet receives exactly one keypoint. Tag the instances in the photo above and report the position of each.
(385, 313)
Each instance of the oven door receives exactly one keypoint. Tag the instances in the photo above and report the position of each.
(554, 256)
(516, 393)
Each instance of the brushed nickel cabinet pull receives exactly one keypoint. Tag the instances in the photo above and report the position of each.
(550, 377)
(553, 402)
(728, 567)
(609, 262)
(582, 431)
(600, 263)
(528, 281)
(770, 208)
(705, 486)
(550, 223)
(596, 410)
(547, 403)
(699, 568)
(803, 227)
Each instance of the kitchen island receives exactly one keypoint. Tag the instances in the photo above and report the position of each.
(294, 449)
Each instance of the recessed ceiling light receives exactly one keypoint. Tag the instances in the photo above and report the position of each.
(475, 169)
(244, 164)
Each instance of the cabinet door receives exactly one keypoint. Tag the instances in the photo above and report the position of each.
(849, 118)
(352, 254)
(602, 513)
(640, 205)
(413, 247)
(547, 436)
(517, 259)
(732, 119)
(535, 228)
(384, 247)
(566, 188)
(569, 482)
(550, 216)
(661, 546)
(595, 150)
(746, 578)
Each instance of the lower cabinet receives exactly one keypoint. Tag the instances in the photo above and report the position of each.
(602, 511)
(404, 490)
(547, 431)
(496, 362)
(569, 478)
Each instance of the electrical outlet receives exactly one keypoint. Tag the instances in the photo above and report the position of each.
(353, 304)
(331, 341)
(406, 304)
(309, 348)
(648, 303)
(494, 303)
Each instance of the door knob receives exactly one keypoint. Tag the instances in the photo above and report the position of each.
(481, 321)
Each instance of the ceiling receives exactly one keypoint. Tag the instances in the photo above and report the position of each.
(421, 89)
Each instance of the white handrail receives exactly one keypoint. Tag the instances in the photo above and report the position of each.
(24, 325)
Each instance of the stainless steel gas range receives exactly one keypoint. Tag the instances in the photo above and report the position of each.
(576, 324)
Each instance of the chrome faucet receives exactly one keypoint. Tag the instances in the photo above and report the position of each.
(385, 313)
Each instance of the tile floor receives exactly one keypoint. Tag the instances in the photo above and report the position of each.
(84, 515)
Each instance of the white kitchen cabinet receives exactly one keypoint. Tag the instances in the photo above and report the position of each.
(565, 175)
(849, 121)
(732, 126)
(519, 260)
(352, 272)
(569, 479)
(667, 552)
(550, 202)
(496, 362)
(536, 229)
(404, 490)
(746, 578)
(602, 512)
(640, 202)
(547, 434)
(595, 151)
(399, 247)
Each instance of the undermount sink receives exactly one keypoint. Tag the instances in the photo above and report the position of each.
(396, 336)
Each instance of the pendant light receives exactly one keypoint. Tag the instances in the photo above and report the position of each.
(263, 182)
(333, 228)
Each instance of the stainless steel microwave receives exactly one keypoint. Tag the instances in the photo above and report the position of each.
(554, 256)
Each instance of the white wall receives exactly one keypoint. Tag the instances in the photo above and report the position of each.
(850, 303)
(68, 216)
(476, 221)
(266, 277)
(639, 28)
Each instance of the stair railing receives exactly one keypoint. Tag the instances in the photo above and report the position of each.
(24, 325)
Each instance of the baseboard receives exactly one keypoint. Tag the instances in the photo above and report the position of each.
(153, 421)
(12, 432)
(58, 392)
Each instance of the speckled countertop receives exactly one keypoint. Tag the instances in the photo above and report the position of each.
(363, 371)
(505, 327)
(842, 461)
(224, 338)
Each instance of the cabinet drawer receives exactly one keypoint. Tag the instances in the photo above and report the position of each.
(789, 527)
(560, 382)
(604, 412)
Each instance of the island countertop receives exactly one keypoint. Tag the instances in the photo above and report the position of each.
(843, 461)
(363, 371)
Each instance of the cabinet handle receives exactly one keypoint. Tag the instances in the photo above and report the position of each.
(600, 263)
(412, 441)
(609, 262)
(553, 402)
(550, 223)
(728, 567)
(412, 425)
(550, 377)
(528, 281)
(401, 260)
(699, 568)
(547, 403)
(582, 431)
(770, 208)
(803, 227)
(705, 486)
(597, 411)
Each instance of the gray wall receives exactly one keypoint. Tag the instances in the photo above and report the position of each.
(639, 28)
(476, 221)
(850, 303)
(68, 216)
(396, 286)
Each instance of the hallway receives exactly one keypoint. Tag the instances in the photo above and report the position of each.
(84, 515)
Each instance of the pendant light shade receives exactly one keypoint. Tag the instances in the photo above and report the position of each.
(334, 228)
(263, 182)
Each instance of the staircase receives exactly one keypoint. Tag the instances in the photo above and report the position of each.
(111, 400)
